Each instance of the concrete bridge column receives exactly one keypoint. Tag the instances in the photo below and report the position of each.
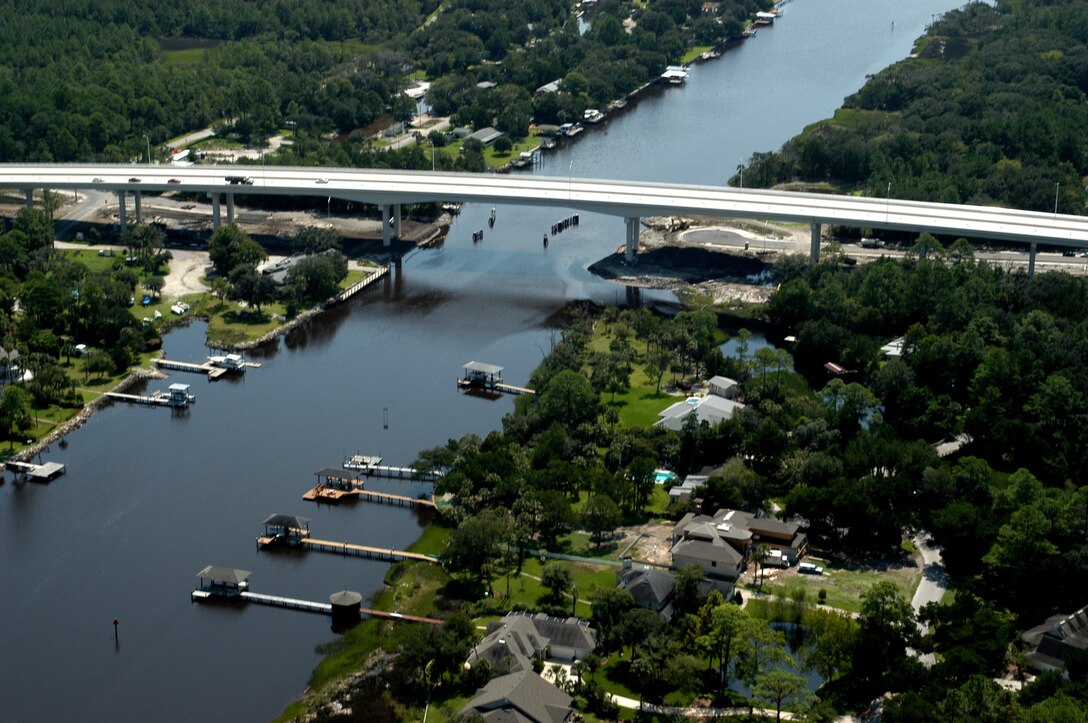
(632, 227)
(817, 230)
(136, 202)
(122, 214)
(1031, 260)
(29, 197)
(385, 225)
(396, 221)
(217, 219)
(230, 208)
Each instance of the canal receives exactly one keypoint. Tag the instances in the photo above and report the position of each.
(150, 497)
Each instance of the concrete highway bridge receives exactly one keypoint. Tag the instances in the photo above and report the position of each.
(626, 199)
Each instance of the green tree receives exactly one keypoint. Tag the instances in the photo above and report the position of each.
(16, 410)
(778, 687)
(558, 578)
(600, 515)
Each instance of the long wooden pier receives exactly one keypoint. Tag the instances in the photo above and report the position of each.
(346, 548)
(511, 389)
(325, 493)
(310, 606)
(213, 372)
(176, 399)
(359, 285)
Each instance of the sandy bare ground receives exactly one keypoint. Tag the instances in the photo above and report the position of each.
(186, 274)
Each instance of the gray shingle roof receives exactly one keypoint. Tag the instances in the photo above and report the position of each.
(526, 693)
(223, 575)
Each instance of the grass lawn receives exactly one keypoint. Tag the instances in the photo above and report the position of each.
(492, 158)
(188, 56)
(694, 52)
(432, 541)
(845, 585)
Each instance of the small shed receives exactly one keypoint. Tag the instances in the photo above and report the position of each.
(345, 607)
(722, 387)
(180, 396)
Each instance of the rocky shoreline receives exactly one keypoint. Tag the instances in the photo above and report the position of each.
(136, 377)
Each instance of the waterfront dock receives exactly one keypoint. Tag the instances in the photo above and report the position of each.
(359, 285)
(487, 378)
(214, 368)
(40, 472)
(223, 584)
(337, 485)
(294, 532)
(178, 397)
(372, 466)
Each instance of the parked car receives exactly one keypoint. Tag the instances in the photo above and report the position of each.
(807, 568)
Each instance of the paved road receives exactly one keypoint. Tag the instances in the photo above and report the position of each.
(933, 585)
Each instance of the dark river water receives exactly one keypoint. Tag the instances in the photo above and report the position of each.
(150, 498)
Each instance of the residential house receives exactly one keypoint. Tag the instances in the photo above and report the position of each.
(741, 530)
(686, 489)
(710, 409)
(521, 697)
(487, 136)
(651, 588)
(11, 369)
(1054, 640)
(512, 643)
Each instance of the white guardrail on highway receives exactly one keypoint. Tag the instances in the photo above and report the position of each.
(617, 198)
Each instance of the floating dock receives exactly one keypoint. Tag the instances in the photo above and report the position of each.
(41, 472)
(178, 397)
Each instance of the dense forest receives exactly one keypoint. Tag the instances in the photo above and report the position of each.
(991, 111)
(98, 81)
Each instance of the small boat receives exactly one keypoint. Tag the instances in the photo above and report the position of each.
(592, 115)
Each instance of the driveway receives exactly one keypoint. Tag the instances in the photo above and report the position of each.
(934, 581)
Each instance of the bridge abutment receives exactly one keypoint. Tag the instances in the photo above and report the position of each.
(631, 224)
(814, 248)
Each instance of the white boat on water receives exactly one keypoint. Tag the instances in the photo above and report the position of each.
(592, 115)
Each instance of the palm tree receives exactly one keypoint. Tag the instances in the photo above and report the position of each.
(758, 555)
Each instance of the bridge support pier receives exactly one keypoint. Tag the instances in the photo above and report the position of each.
(632, 224)
(1031, 260)
(396, 221)
(136, 204)
(814, 248)
(230, 208)
(385, 225)
(29, 197)
(122, 213)
(217, 217)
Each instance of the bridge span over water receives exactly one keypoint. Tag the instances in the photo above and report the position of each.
(629, 200)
